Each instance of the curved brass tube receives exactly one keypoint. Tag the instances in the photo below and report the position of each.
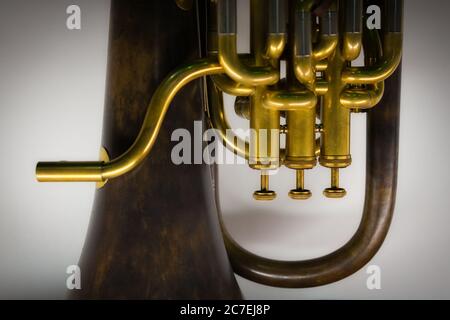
(220, 123)
(362, 98)
(238, 71)
(276, 42)
(324, 48)
(289, 100)
(227, 85)
(321, 65)
(351, 46)
(304, 70)
(352, 37)
(321, 87)
(392, 56)
(102, 171)
(303, 57)
(381, 182)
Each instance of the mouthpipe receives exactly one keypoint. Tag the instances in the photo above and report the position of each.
(70, 172)
(156, 111)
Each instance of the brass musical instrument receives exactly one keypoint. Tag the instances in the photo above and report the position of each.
(317, 40)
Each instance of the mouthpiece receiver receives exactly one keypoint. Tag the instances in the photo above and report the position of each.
(70, 171)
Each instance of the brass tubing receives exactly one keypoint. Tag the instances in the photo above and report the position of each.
(264, 135)
(227, 51)
(231, 87)
(382, 149)
(328, 35)
(355, 98)
(264, 122)
(352, 37)
(276, 36)
(219, 122)
(70, 171)
(325, 47)
(321, 87)
(238, 71)
(160, 102)
(275, 46)
(303, 63)
(335, 138)
(321, 65)
(300, 121)
(289, 100)
(392, 55)
(300, 139)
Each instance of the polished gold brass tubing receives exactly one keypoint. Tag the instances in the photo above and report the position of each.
(264, 135)
(301, 139)
(352, 37)
(351, 46)
(160, 102)
(392, 55)
(304, 70)
(219, 122)
(355, 98)
(276, 33)
(321, 87)
(289, 100)
(300, 119)
(303, 61)
(276, 42)
(335, 138)
(70, 171)
(238, 71)
(231, 87)
(321, 65)
(328, 40)
(324, 48)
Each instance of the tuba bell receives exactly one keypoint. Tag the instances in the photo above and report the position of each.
(155, 230)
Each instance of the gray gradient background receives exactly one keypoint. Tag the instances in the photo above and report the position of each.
(51, 100)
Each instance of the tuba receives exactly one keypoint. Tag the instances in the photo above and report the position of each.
(155, 230)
